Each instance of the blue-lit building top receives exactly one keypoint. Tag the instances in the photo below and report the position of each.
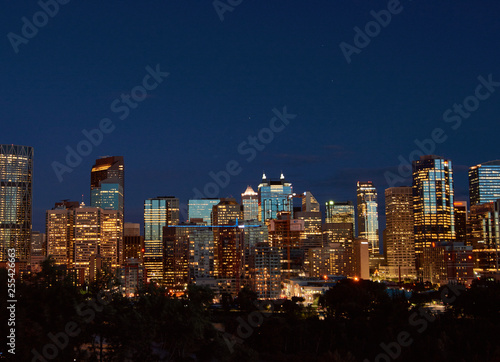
(368, 215)
(201, 209)
(274, 196)
(484, 182)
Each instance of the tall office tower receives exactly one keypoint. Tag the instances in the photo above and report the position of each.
(107, 183)
(266, 267)
(284, 234)
(250, 202)
(201, 255)
(368, 215)
(274, 197)
(484, 237)
(87, 235)
(311, 236)
(460, 209)
(228, 240)
(158, 212)
(111, 243)
(433, 212)
(201, 209)
(254, 232)
(59, 230)
(399, 232)
(133, 241)
(360, 259)
(340, 212)
(342, 233)
(16, 176)
(309, 202)
(176, 255)
(484, 182)
(131, 276)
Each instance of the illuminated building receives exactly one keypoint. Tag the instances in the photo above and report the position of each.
(311, 236)
(484, 237)
(131, 276)
(59, 230)
(201, 209)
(284, 234)
(461, 216)
(107, 183)
(38, 250)
(201, 254)
(484, 182)
(254, 233)
(176, 255)
(111, 238)
(158, 212)
(448, 262)
(266, 271)
(16, 176)
(368, 215)
(250, 202)
(86, 233)
(274, 197)
(360, 264)
(400, 241)
(309, 203)
(329, 260)
(228, 240)
(433, 211)
(133, 241)
(340, 212)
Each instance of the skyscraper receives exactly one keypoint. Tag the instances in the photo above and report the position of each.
(250, 202)
(433, 211)
(107, 183)
(158, 212)
(309, 202)
(16, 175)
(484, 236)
(368, 215)
(461, 217)
(399, 232)
(340, 212)
(484, 182)
(274, 197)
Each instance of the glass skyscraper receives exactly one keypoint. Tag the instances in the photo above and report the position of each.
(16, 176)
(274, 197)
(434, 215)
(484, 182)
(368, 215)
(158, 212)
(340, 212)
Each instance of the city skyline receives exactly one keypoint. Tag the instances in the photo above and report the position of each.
(353, 120)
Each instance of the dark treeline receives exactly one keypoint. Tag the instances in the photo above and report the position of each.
(56, 320)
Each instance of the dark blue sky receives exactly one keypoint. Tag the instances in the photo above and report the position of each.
(353, 119)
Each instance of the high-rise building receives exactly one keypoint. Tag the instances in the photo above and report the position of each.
(484, 236)
(201, 209)
(484, 182)
(250, 202)
(228, 244)
(201, 254)
(368, 215)
(461, 217)
(340, 212)
(400, 241)
(274, 197)
(16, 176)
(158, 212)
(266, 276)
(433, 211)
(59, 230)
(332, 259)
(176, 255)
(107, 184)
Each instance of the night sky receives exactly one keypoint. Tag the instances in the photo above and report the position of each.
(353, 120)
